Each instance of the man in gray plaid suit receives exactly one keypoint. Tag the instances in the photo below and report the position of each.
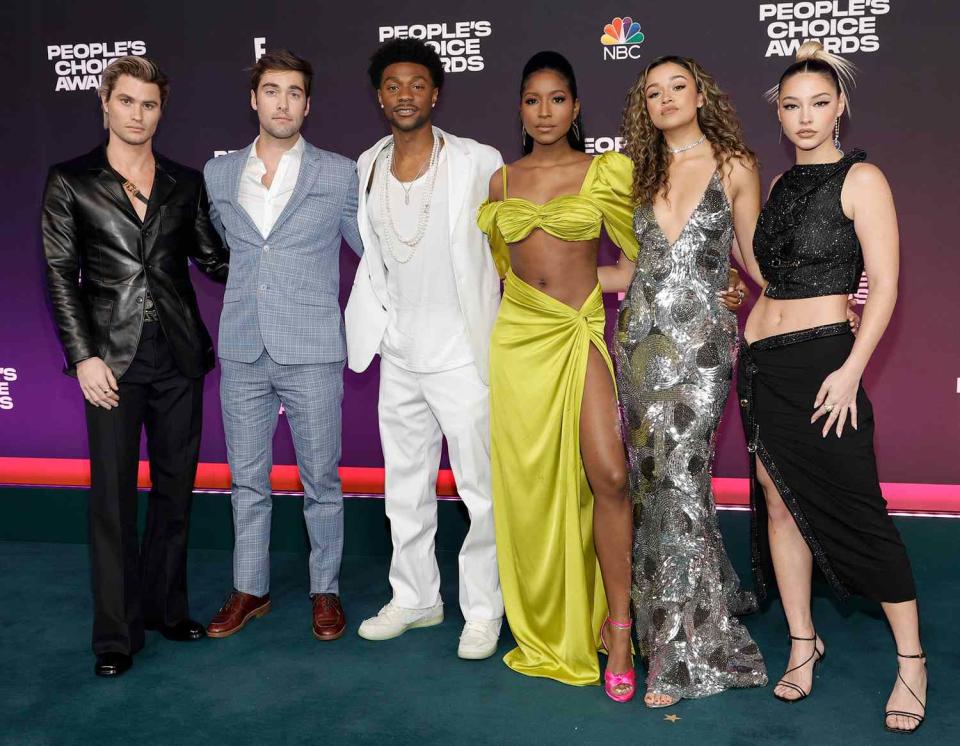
(282, 207)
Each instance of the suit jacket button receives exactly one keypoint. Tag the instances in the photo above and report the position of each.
(139, 299)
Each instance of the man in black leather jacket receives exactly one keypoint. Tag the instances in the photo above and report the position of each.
(119, 225)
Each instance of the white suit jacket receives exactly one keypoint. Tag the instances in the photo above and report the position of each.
(469, 168)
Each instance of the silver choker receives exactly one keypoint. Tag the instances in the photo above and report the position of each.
(685, 148)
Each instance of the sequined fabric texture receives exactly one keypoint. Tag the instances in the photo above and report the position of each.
(675, 346)
(805, 245)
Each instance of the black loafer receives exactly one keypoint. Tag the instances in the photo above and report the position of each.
(185, 631)
(112, 664)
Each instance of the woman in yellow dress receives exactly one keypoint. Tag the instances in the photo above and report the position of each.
(559, 470)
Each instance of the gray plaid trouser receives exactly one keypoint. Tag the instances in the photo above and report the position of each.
(311, 394)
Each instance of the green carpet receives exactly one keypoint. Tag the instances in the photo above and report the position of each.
(274, 684)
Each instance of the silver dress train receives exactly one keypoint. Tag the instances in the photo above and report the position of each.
(675, 346)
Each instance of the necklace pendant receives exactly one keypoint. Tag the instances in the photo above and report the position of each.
(406, 198)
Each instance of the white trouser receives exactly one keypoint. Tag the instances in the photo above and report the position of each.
(416, 411)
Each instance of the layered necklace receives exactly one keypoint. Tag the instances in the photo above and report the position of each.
(685, 148)
(430, 169)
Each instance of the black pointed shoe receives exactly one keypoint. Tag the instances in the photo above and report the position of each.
(185, 631)
(112, 664)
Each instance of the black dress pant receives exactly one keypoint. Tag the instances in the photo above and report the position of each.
(136, 581)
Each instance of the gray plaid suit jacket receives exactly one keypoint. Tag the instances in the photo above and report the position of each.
(282, 291)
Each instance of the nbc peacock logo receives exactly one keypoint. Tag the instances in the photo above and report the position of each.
(621, 39)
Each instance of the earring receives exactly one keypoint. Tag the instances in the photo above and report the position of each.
(576, 129)
(836, 135)
(780, 138)
(523, 137)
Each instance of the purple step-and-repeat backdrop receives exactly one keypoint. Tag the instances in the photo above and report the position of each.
(905, 114)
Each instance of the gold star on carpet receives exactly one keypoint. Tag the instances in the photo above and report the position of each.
(672, 718)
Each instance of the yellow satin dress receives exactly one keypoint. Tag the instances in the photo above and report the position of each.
(543, 506)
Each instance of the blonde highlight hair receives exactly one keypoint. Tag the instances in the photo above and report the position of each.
(646, 146)
(141, 68)
(813, 58)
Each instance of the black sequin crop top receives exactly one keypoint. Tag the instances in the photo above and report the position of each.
(806, 247)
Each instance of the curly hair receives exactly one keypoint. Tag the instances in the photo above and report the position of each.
(405, 50)
(646, 146)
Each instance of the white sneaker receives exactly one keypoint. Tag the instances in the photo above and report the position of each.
(392, 621)
(479, 640)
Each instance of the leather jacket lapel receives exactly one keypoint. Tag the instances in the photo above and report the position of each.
(107, 181)
(163, 186)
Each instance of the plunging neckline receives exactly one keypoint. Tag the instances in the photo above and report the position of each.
(131, 197)
(706, 191)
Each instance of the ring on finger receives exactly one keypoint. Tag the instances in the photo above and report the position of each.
(828, 408)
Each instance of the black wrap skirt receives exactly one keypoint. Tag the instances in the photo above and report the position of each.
(830, 484)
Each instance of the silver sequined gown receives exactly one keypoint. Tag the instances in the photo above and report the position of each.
(675, 346)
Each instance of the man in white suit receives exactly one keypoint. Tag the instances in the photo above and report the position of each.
(425, 298)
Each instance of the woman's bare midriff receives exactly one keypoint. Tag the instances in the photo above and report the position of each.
(564, 270)
(771, 317)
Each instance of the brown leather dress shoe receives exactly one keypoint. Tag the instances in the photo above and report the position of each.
(237, 610)
(329, 621)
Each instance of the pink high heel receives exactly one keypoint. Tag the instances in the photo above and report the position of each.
(612, 681)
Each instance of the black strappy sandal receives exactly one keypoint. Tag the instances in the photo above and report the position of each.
(918, 718)
(816, 656)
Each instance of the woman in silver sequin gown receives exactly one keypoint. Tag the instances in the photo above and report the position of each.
(675, 346)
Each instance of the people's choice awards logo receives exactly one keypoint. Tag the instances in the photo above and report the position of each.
(79, 67)
(458, 44)
(7, 376)
(621, 39)
(597, 145)
(842, 26)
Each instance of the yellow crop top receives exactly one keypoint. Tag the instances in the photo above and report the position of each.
(604, 199)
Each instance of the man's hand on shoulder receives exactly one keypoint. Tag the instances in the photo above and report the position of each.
(97, 382)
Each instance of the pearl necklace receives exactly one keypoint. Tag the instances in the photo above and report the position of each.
(424, 218)
(406, 186)
(685, 148)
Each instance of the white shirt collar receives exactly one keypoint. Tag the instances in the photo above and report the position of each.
(295, 153)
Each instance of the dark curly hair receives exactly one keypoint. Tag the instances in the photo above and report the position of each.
(405, 50)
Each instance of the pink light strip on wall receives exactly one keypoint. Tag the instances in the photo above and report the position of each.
(901, 497)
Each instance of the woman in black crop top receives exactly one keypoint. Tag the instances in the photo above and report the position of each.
(814, 488)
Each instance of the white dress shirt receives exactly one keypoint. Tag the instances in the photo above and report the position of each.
(263, 204)
(426, 332)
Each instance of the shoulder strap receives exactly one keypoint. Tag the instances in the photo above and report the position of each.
(503, 170)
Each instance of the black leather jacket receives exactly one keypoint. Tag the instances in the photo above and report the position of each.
(101, 262)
